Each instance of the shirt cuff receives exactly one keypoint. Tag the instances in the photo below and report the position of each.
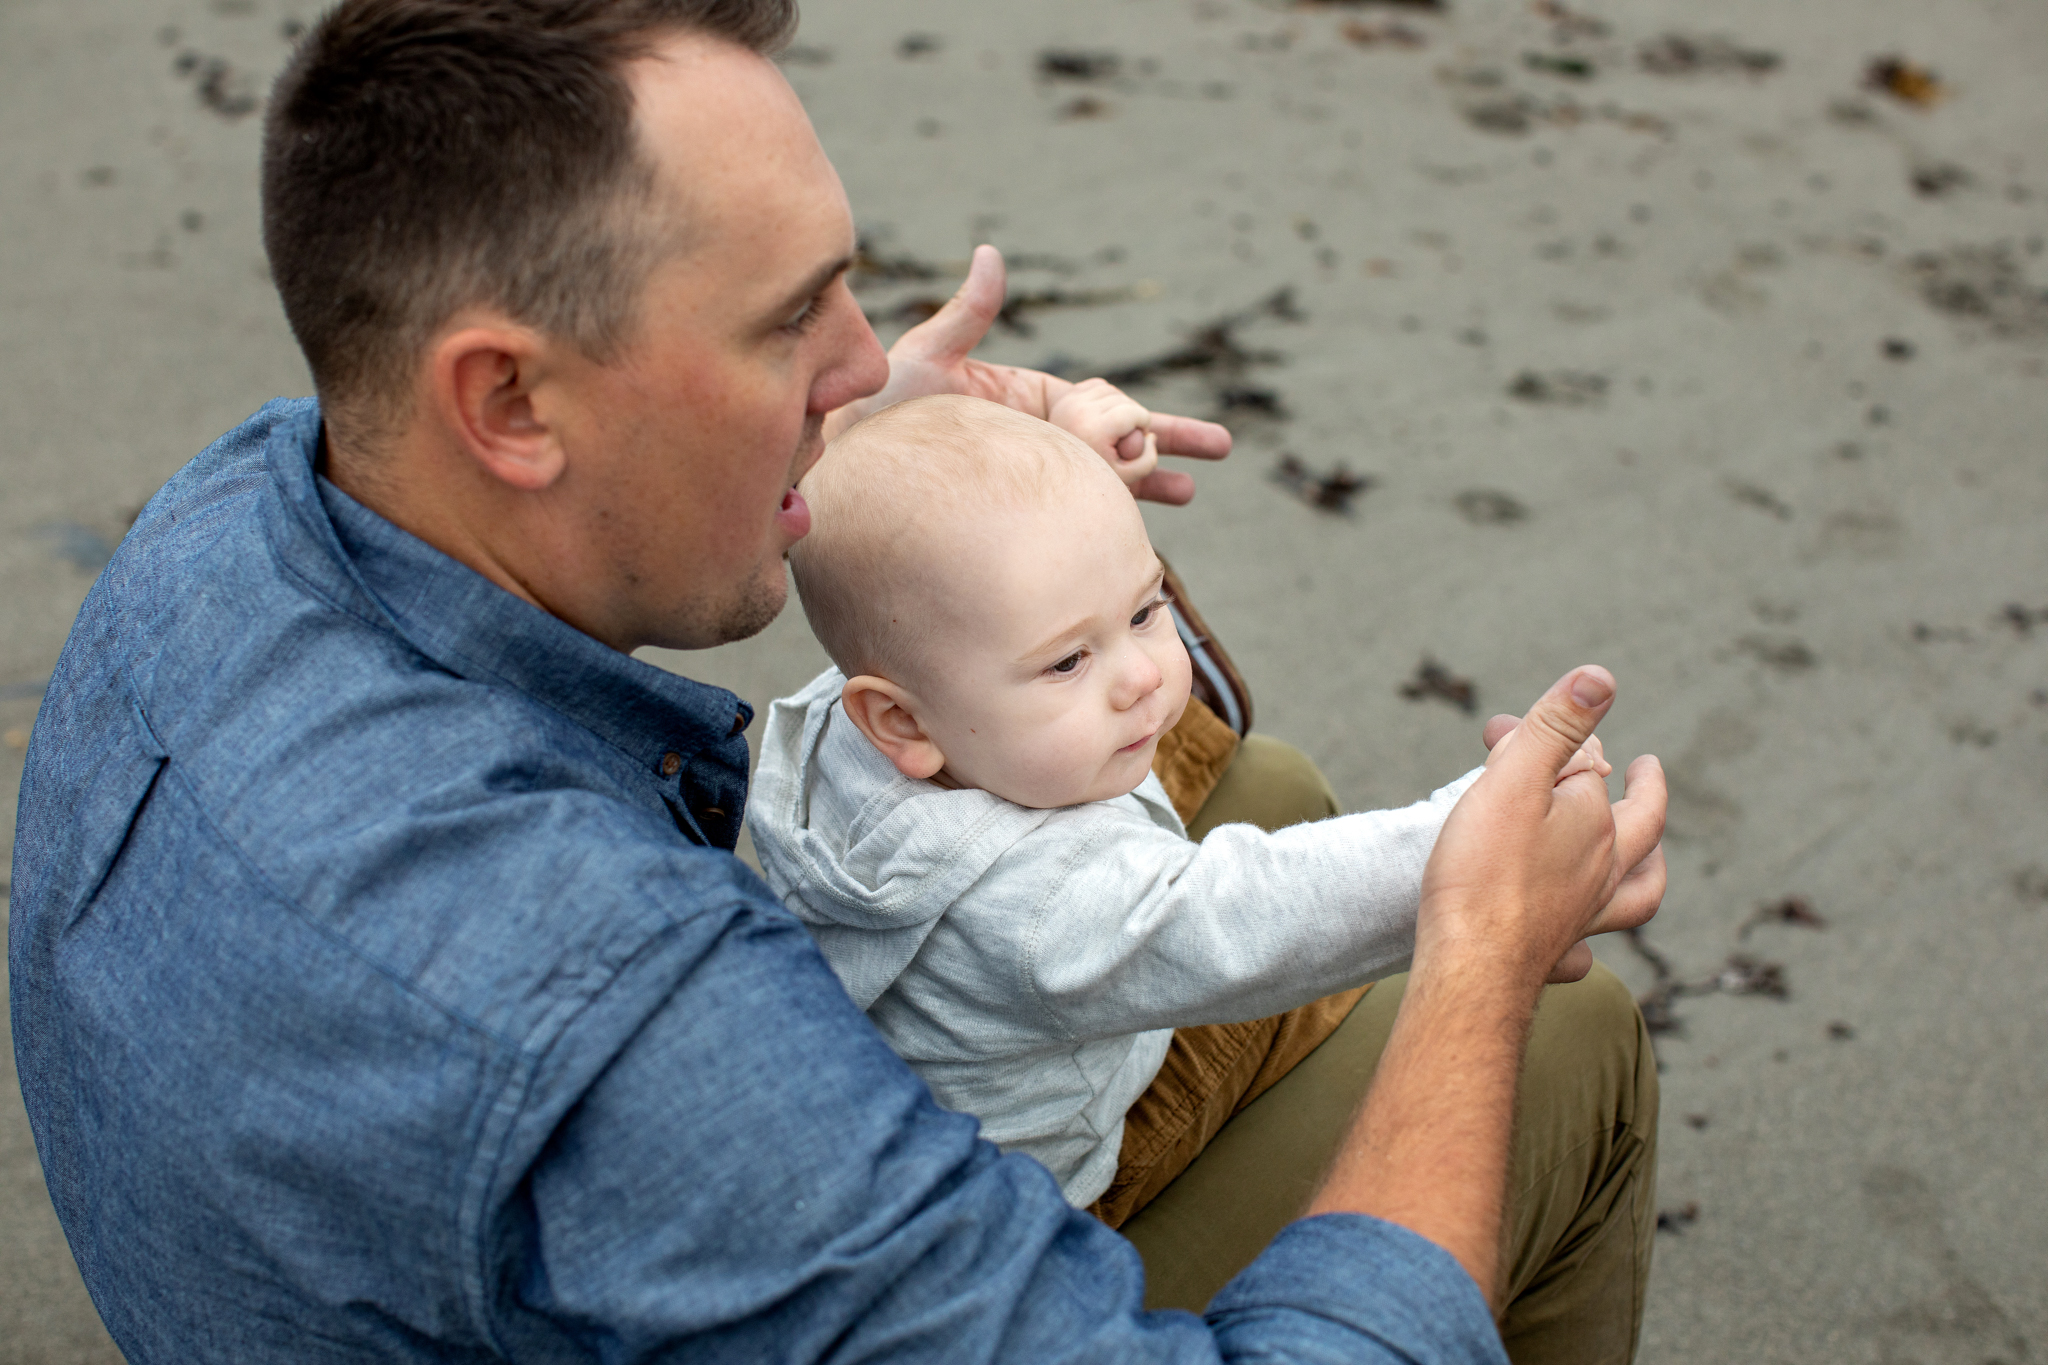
(1345, 1286)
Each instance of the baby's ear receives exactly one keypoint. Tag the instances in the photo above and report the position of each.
(884, 713)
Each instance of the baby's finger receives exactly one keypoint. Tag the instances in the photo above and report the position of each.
(1135, 471)
(1131, 444)
(1498, 729)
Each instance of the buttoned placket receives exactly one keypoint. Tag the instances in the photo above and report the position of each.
(700, 813)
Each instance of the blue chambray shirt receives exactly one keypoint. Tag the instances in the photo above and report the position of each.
(384, 989)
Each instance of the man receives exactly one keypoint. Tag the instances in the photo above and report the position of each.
(383, 985)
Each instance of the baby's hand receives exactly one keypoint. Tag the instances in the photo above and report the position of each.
(1112, 425)
(1590, 758)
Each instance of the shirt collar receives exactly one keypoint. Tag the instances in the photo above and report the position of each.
(471, 627)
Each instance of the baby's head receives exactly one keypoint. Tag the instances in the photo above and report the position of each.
(985, 582)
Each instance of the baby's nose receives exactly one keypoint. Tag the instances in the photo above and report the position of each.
(1138, 679)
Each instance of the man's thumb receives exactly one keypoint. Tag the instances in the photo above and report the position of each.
(958, 327)
(1561, 720)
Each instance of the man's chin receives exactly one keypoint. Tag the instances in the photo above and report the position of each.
(751, 613)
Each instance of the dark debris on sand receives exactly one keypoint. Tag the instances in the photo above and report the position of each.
(1792, 910)
(1680, 54)
(1741, 974)
(1213, 348)
(1326, 492)
(1432, 679)
(1676, 1221)
(1564, 388)
(220, 87)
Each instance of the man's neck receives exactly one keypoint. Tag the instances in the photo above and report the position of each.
(407, 484)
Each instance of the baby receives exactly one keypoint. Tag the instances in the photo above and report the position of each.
(964, 810)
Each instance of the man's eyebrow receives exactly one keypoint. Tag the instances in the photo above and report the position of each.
(813, 285)
(1046, 646)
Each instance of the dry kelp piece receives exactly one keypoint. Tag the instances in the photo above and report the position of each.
(1791, 910)
(1676, 1221)
(1759, 497)
(1516, 113)
(1568, 24)
(1566, 388)
(1681, 54)
(1251, 400)
(1072, 64)
(1432, 679)
(1741, 974)
(1933, 179)
(1746, 975)
(1327, 492)
(1904, 80)
(220, 87)
(2023, 620)
(1012, 316)
(1784, 653)
(1983, 284)
(1565, 64)
(1394, 33)
(1489, 507)
(1213, 348)
(871, 267)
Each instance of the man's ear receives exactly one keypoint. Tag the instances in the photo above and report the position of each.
(482, 380)
(883, 712)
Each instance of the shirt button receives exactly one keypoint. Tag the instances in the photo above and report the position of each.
(671, 764)
(739, 723)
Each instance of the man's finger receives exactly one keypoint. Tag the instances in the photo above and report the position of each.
(1169, 486)
(949, 334)
(1636, 897)
(1559, 722)
(1639, 815)
(1189, 436)
(1498, 729)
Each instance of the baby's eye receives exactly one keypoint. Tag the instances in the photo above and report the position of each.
(1145, 613)
(1068, 664)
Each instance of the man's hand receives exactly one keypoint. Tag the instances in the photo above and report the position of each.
(1529, 851)
(932, 357)
(1529, 864)
(1498, 736)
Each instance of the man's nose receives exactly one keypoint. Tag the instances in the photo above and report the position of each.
(1137, 677)
(859, 366)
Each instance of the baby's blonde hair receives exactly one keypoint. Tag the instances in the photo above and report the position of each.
(868, 573)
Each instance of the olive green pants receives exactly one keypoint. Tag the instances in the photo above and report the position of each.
(1582, 1211)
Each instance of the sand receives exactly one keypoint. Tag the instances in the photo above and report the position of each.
(1700, 359)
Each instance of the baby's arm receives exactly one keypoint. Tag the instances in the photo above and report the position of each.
(1112, 425)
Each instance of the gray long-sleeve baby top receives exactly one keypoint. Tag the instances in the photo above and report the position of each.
(1033, 964)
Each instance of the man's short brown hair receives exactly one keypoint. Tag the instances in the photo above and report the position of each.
(423, 156)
